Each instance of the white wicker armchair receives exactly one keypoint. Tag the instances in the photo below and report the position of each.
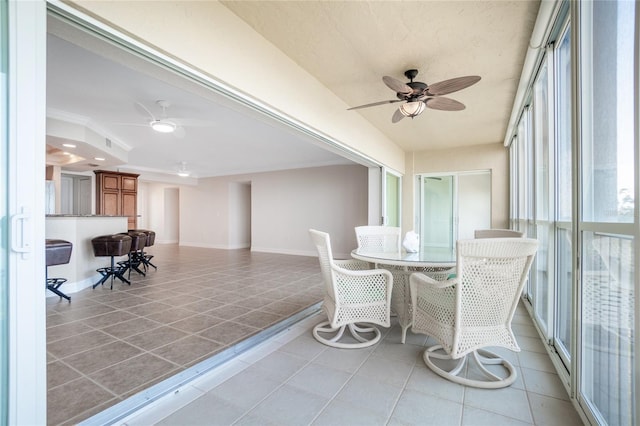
(378, 239)
(355, 298)
(497, 233)
(474, 310)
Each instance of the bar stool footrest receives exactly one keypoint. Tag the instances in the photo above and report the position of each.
(54, 284)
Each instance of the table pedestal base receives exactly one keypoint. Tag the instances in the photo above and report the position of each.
(401, 292)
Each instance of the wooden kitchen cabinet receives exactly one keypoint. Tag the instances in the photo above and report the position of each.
(117, 195)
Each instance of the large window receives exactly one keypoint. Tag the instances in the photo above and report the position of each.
(563, 194)
(583, 288)
(607, 183)
(539, 283)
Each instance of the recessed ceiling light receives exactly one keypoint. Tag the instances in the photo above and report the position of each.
(68, 145)
(183, 174)
(98, 158)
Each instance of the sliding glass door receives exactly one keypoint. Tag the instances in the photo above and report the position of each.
(4, 214)
(392, 196)
(453, 206)
(22, 271)
(437, 212)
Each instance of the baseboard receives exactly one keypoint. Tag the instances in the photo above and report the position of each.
(284, 251)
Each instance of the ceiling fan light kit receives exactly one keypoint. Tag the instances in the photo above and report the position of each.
(412, 109)
(418, 95)
(163, 126)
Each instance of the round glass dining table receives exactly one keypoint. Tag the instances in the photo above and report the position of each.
(435, 262)
(426, 257)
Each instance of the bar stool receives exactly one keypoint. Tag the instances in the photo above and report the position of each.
(146, 257)
(136, 253)
(112, 246)
(57, 252)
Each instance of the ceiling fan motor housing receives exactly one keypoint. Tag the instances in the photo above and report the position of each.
(418, 89)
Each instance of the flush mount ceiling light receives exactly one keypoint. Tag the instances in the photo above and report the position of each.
(163, 126)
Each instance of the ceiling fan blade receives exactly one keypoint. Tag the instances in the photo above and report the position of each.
(144, 111)
(190, 122)
(376, 103)
(396, 85)
(180, 132)
(397, 116)
(131, 124)
(452, 85)
(444, 104)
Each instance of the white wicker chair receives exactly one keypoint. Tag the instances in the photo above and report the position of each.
(355, 298)
(474, 310)
(497, 233)
(378, 239)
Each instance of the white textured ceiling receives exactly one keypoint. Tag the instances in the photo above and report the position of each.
(347, 45)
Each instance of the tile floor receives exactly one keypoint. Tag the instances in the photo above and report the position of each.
(107, 345)
(294, 380)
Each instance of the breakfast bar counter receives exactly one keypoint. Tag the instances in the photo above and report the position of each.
(79, 230)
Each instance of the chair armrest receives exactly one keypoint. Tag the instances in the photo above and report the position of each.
(421, 279)
(352, 264)
(362, 286)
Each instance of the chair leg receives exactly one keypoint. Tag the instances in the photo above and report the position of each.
(54, 283)
(354, 329)
(481, 358)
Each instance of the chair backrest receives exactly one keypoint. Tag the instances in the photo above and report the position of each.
(497, 233)
(491, 274)
(378, 239)
(323, 245)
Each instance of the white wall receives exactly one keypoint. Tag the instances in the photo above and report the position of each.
(286, 204)
(493, 157)
(239, 215)
(171, 215)
(277, 208)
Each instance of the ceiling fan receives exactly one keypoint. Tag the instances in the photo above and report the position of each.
(163, 124)
(418, 95)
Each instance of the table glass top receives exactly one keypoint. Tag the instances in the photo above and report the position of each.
(425, 255)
